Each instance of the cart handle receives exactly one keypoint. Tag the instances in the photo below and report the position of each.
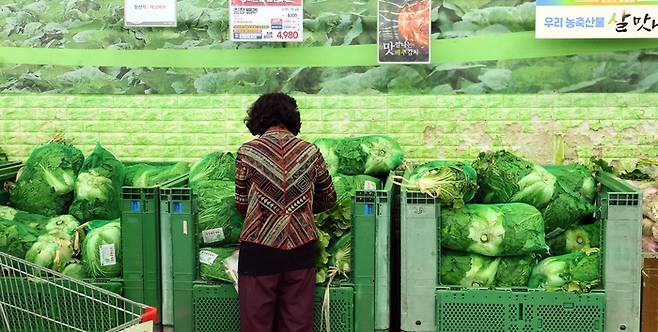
(150, 314)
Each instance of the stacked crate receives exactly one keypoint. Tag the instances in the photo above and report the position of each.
(200, 306)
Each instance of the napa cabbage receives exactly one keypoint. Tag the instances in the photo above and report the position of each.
(144, 175)
(506, 178)
(577, 271)
(493, 229)
(46, 184)
(101, 249)
(451, 183)
(50, 252)
(374, 155)
(98, 187)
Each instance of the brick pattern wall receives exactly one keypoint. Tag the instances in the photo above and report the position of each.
(620, 127)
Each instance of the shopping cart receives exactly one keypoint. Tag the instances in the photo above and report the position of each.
(36, 299)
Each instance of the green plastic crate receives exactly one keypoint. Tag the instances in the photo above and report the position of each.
(514, 311)
(8, 172)
(424, 307)
(371, 224)
(216, 308)
(56, 300)
(178, 214)
(174, 209)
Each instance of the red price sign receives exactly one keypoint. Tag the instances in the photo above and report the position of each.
(287, 35)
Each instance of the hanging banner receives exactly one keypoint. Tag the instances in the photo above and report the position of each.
(149, 13)
(587, 19)
(403, 31)
(266, 20)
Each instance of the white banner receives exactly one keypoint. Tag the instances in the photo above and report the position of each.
(149, 13)
(595, 21)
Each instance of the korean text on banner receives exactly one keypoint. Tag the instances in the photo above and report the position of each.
(578, 19)
(266, 20)
(149, 13)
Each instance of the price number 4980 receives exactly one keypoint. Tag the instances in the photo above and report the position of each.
(287, 35)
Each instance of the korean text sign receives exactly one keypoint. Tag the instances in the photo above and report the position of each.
(403, 33)
(150, 13)
(266, 20)
(583, 19)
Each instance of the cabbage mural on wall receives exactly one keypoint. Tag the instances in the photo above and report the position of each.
(203, 24)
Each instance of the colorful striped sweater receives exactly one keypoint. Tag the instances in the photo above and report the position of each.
(281, 181)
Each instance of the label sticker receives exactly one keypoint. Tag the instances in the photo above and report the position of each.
(369, 185)
(207, 257)
(108, 255)
(213, 235)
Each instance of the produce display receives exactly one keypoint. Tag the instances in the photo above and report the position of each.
(212, 180)
(503, 219)
(55, 248)
(335, 227)
(506, 178)
(46, 184)
(452, 183)
(98, 187)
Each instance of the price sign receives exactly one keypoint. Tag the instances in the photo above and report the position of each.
(266, 20)
(149, 13)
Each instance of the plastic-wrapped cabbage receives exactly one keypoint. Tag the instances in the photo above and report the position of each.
(217, 166)
(46, 184)
(576, 238)
(101, 249)
(98, 187)
(75, 271)
(62, 227)
(50, 252)
(514, 271)
(16, 238)
(144, 175)
(576, 178)
(210, 263)
(467, 269)
(493, 230)
(506, 178)
(373, 155)
(578, 272)
(452, 183)
(219, 222)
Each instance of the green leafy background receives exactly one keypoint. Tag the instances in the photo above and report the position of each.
(203, 24)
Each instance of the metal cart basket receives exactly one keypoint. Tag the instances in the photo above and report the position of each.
(36, 299)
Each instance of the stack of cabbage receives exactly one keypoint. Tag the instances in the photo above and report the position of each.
(55, 180)
(219, 224)
(524, 212)
(355, 164)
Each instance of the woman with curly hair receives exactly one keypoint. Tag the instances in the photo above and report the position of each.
(281, 182)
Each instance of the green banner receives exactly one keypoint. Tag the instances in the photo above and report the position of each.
(518, 45)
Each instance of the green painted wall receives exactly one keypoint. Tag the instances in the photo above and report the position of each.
(621, 127)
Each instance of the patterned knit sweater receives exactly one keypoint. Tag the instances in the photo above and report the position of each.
(281, 181)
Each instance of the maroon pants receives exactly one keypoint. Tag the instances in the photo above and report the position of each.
(280, 302)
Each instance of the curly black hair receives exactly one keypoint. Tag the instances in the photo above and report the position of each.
(273, 109)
